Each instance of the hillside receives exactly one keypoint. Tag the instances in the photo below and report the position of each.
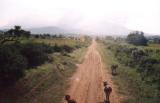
(50, 30)
(1, 31)
(103, 28)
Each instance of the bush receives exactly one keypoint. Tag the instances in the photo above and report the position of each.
(47, 48)
(146, 61)
(57, 48)
(12, 65)
(67, 48)
(17, 57)
(63, 48)
(35, 54)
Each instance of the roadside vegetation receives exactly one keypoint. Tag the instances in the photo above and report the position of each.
(139, 68)
(36, 69)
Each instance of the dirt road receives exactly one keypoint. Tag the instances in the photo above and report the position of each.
(87, 82)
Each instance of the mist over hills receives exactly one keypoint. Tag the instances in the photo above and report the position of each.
(95, 28)
(108, 29)
(99, 29)
(48, 29)
(1, 31)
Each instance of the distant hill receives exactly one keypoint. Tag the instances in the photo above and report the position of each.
(106, 28)
(96, 30)
(1, 31)
(153, 36)
(50, 30)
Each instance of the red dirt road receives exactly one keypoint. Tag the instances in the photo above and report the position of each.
(87, 83)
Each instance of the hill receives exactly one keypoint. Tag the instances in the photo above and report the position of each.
(50, 30)
(1, 31)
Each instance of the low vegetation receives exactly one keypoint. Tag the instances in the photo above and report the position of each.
(15, 58)
(31, 67)
(139, 75)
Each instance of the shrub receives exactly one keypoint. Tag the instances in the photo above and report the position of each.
(47, 48)
(146, 61)
(57, 48)
(35, 54)
(12, 65)
(67, 48)
(15, 58)
(63, 48)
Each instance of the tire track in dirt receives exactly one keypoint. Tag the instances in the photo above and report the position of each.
(86, 85)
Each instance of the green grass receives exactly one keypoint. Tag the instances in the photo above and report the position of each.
(154, 45)
(128, 80)
(53, 41)
(47, 83)
(58, 41)
(78, 54)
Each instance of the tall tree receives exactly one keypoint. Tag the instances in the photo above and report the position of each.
(137, 38)
(17, 31)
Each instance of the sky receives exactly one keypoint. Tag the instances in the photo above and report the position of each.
(132, 14)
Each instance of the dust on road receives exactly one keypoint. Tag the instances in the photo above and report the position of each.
(87, 83)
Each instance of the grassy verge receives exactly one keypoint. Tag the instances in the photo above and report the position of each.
(79, 54)
(128, 80)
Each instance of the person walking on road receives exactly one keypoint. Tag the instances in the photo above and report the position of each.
(107, 90)
(69, 100)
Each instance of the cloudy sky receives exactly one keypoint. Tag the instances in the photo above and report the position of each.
(133, 14)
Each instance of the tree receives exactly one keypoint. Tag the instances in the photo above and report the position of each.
(137, 38)
(14, 34)
(17, 31)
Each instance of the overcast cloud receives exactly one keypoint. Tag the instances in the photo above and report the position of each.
(132, 14)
